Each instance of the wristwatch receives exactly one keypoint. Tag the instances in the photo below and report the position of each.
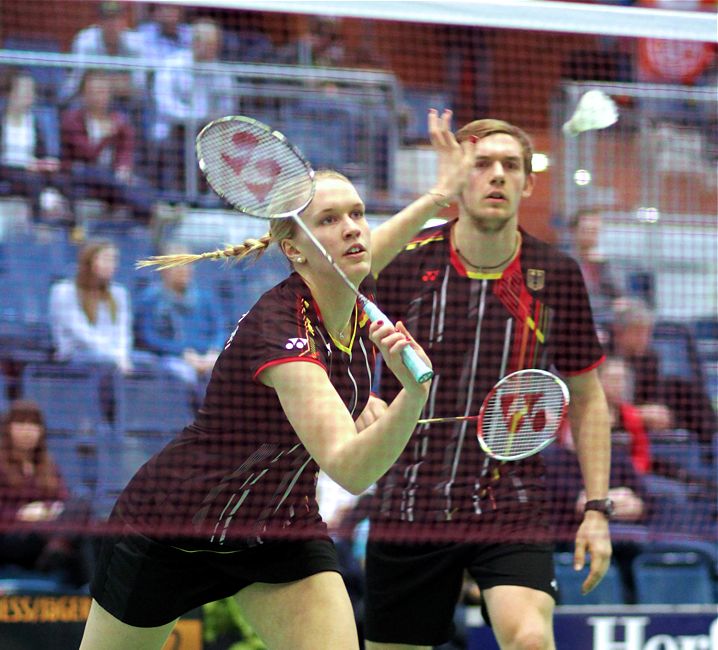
(600, 505)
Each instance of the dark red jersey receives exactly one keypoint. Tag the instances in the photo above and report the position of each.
(239, 474)
(477, 328)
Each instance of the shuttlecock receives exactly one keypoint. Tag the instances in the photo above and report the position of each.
(595, 110)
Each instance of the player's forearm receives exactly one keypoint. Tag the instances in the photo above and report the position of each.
(389, 238)
(592, 436)
(367, 456)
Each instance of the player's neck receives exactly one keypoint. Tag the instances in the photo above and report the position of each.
(336, 305)
(485, 249)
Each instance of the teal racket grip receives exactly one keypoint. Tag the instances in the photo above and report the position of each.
(416, 365)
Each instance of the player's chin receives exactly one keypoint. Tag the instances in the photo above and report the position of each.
(357, 266)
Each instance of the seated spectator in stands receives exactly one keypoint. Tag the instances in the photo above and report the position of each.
(182, 323)
(29, 159)
(664, 402)
(631, 333)
(33, 495)
(188, 99)
(98, 150)
(109, 37)
(90, 316)
(601, 284)
(616, 380)
(166, 33)
(322, 43)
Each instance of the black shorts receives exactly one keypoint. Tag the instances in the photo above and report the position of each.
(412, 590)
(146, 583)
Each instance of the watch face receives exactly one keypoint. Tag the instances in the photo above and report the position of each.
(601, 505)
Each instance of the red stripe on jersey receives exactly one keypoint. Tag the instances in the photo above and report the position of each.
(278, 362)
(583, 371)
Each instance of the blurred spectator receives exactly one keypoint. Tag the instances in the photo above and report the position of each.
(33, 495)
(182, 323)
(616, 379)
(585, 227)
(90, 315)
(187, 99)
(632, 331)
(98, 149)
(322, 43)
(663, 402)
(166, 33)
(29, 156)
(109, 37)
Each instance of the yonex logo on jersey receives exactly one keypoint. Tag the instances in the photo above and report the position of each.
(430, 276)
(295, 344)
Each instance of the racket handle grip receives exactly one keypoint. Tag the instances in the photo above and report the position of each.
(416, 365)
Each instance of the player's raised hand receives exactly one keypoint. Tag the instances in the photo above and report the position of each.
(455, 160)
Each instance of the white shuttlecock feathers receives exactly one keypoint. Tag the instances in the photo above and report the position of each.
(595, 110)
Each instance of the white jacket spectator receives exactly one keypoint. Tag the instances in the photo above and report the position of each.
(90, 316)
(181, 94)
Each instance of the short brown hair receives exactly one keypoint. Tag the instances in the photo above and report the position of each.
(488, 126)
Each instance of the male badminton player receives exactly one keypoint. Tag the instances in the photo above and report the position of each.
(485, 299)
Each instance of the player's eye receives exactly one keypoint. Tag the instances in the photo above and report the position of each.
(357, 214)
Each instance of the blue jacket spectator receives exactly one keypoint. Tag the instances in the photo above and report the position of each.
(182, 323)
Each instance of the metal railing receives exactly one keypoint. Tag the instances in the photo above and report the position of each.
(371, 95)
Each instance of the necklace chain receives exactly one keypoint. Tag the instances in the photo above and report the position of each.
(487, 268)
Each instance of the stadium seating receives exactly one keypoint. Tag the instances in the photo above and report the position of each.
(676, 347)
(706, 336)
(609, 591)
(77, 460)
(4, 401)
(151, 402)
(673, 578)
(48, 78)
(70, 395)
(24, 342)
(30, 583)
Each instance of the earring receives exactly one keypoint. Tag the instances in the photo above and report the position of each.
(299, 260)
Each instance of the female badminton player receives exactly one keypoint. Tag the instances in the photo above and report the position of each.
(228, 507)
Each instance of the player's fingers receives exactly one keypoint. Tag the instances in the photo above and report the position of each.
(401, 329)
(384, 334)
(433, 125)
(440, 132)
(579, 555)
(599, 566)
(379, 330)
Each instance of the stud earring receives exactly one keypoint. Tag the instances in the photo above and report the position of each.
(299, 260)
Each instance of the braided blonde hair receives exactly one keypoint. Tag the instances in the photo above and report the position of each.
(280, 229)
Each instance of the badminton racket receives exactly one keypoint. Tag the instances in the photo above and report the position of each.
(263, 175)
(595, 110)
(521, 415)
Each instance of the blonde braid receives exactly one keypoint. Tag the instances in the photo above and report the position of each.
(236, 252)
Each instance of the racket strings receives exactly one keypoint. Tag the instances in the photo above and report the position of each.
(253, 169)
(522, 415)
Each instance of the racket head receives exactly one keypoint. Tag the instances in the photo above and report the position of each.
(522, 414)
(254, 168)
